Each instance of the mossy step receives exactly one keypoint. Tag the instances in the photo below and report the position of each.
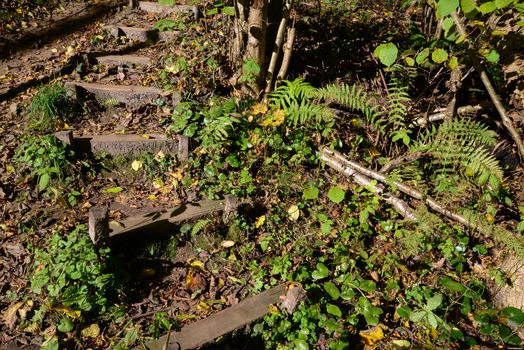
(123, 60)
(119, 144)
(131, 95)
(142, 34)
(164, 10)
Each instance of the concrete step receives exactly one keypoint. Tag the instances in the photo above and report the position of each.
(119, 144)
(142, 34)
(164, 10)
(123, 60)
(131, 95)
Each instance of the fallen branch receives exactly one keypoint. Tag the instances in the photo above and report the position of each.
(500, 235)
(506, 120)
(440, 114)
(400, 206)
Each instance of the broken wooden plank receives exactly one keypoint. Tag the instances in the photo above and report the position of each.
(161, 222)
(142, 34)
(131, 95)
(127, 144)
(98, 227)
(163, 10)
(221, 323)
(123, 60)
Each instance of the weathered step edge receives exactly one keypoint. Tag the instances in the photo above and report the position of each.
(131, 95)
(142, 34)
(220, 323)
(122, 60)
(155, 7)
(153, 223)
(127, 144)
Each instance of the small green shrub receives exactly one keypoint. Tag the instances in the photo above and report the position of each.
(72, 273)
(50, 108)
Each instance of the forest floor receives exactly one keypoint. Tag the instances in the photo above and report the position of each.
(373, 279)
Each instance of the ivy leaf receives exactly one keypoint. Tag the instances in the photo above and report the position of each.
(65, 325)
(417, 316)
(311, 193)
(493, 56)
(439, 56)
(321, 272)
(434, 302)
(468, 5)
(333, 310)
(500, 4)
(386, 53)
(515, 316)
(422, 55)
(228, 10)
(447, 7)
(43, 181)
(452, 285)
(332, 290)
(487, 7)
(113, 190)
(336, 194)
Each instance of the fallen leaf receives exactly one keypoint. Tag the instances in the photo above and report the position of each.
(10, 316)
(259, 108)
(137, 165)
(227, 244)
(92, 331)
(293, 212)
(113, 190)
(372, 336)
(66, 310)
(160, 156)
(260, 221)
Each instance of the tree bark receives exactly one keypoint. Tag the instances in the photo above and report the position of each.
(256, 37)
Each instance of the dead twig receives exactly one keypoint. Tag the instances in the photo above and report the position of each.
(440, 114)
(506, 120)
(392, 164)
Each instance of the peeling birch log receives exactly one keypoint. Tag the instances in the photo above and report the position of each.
(219, 324)
(440, 114)
(278, 46)
(400, 206)
(500, 235)
(506, 120)
(286, 59)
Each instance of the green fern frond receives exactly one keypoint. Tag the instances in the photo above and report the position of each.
(290, 91)
(352, 97)
(397, 106)
(300, 113)
(199, 226)
(462, 143)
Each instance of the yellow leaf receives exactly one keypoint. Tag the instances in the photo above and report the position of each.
(273, 310)
(490, 218)
(275, 119)
(54, 50)
(202, 306)
(227, 244)
(293, 212)
(372, 336)
(158, 183)
(259, 108)
(66, 310)
(152, 197)
(197, 264)
(137, 165)
(92, 331)
(160, 156)
(69, 51)
(10, 168)
(260, 221)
